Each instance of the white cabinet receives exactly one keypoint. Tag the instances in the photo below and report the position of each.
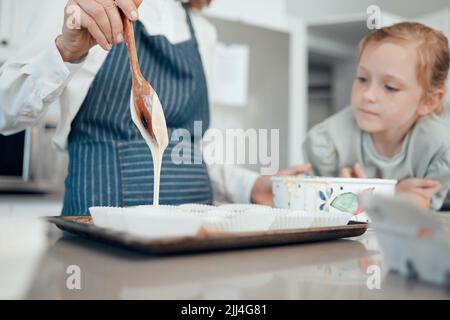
(278, 70)
(269, 14)
(277, 83)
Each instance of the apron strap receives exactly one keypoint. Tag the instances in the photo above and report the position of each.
(189, 21)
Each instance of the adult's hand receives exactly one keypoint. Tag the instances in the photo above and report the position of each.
(91, 22)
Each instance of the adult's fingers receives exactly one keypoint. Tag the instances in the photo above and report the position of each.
(98, 13)
(94, 30)
(114, 19)
(129, 7)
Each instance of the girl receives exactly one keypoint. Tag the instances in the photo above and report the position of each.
(392, 129)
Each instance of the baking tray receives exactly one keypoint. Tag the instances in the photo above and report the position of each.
(204, 242)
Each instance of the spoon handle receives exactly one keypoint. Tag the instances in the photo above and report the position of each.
(131, 46)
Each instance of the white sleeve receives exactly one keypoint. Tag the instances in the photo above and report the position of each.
(35, 75)
(29, 86)
(231, 183)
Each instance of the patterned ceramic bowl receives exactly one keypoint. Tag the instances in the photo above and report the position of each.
(322, 194)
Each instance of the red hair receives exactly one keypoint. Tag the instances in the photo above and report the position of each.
(432, 51)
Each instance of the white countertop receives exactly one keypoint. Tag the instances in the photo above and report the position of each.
(328, 270)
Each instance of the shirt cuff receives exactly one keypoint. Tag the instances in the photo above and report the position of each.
(245, 185)
(51, 71)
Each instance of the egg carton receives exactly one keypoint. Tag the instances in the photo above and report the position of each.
(416, 244)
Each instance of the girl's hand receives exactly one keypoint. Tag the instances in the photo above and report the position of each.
(421, 190)
(91, 22)
(356, 171)
(262, 189)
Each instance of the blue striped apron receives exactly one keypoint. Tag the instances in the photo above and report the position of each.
(109, 162)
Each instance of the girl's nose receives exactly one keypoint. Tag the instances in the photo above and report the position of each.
(370, 94)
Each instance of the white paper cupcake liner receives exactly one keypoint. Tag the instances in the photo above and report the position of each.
(99, 216)
(291, 219)
(163, 226)
(196, 208)
(220, 213)
(223, 221)
(109, 217)
(214, 223)
(146, 221)
(152, 209)
(174, 221)
(242, 207)
(325, 219)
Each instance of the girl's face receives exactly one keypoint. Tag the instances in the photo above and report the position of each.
(386, 93)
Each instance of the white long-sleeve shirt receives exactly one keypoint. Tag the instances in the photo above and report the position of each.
(37, 79)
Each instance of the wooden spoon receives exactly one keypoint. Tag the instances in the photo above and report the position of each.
(143, 92)
(146, 109)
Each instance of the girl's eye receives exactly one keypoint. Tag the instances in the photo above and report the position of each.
(362, 79)
(391, 89)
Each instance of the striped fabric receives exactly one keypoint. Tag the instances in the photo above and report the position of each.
(109, 162)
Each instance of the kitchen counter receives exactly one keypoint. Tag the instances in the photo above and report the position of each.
(30, 205)
(328, 270)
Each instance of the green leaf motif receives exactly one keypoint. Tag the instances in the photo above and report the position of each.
(346, 202)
